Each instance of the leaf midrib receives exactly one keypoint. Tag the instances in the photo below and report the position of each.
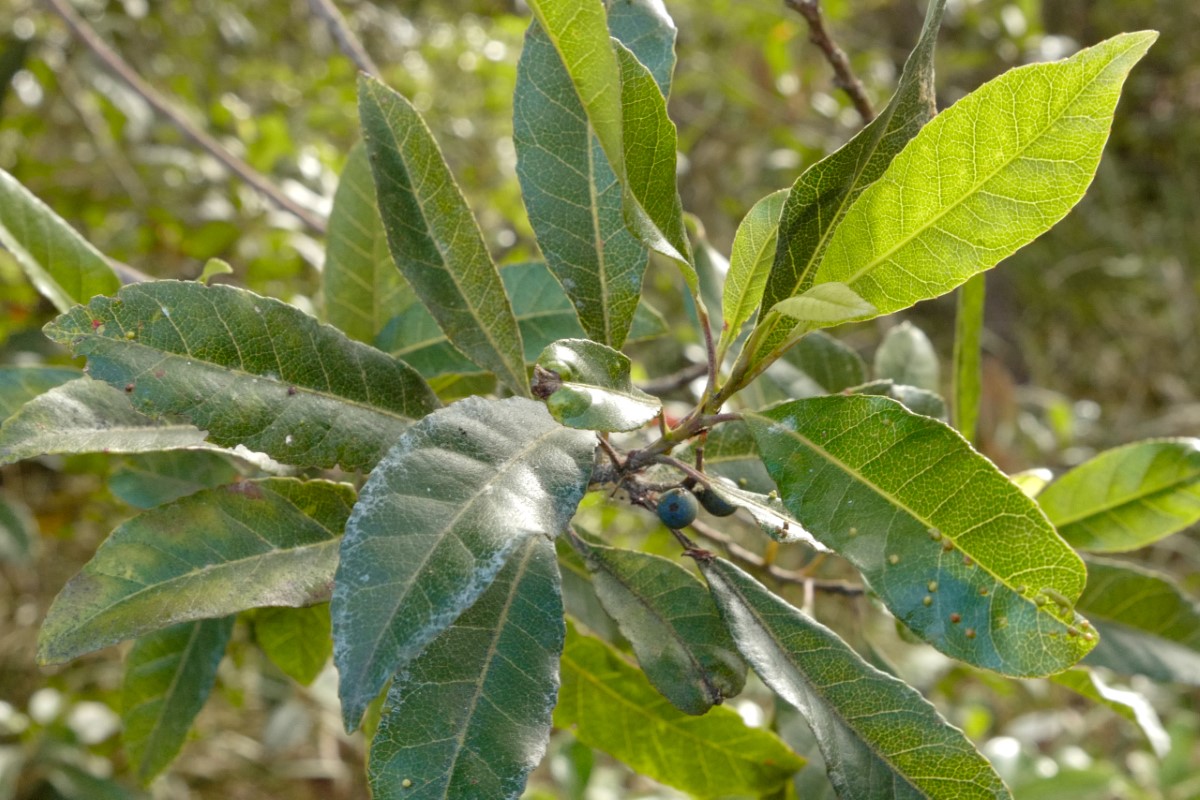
(147, 753)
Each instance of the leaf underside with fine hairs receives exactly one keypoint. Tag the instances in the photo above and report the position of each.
(435, 523)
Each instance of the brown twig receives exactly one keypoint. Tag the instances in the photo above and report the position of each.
(349, 44)
(818, 34)
(739, 553)
(163, 106)
(676, 380)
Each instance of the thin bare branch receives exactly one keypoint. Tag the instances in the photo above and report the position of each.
(818, 34)
(119, 67)
(349, 44)
(739, 553)
(677, 380)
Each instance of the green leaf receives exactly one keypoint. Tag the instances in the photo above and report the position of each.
(297, 640)
(906, 356)
(470, 717)
(672, 623)
(363, 288)
(645, 27)
(825, 304)
(271, 542)
(968, 353)
(250, 370)
(436, 521)
(60, 263)
(87, 416)
(1032, 481)
(1127, 497)
(544, 315)
(918, 401)
(828, 362)
(749, 264)
(1129, 704)
(153, 479)
(957, 552)
(653, 210)
(1147, 625)
(983, 178)
(820, 198)
(611, 706)
(18, 531)
(212, 268)
(579, 33)
(19, 385)
(587, 385)
(434, 238)
(168, 677)
(879, 737)
(570, 190)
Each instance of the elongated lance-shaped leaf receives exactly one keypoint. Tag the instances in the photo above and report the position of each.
(89, 416)
(750, 262)
(968, 355)
(19, 385)
(168, 677)
(957, 552)
(297, 640)
(906, 357)
(60, 263)
(653, 210)
(249, 369)
(1147, 625)
(822, 306)
(672, 623)
(544, 315)
(879, 736)
(437, 520)
(587, 385)
(1131, 705)
(18, 531)
(434, 237)
(610, 705)
(269, 542)
(627, 112)
(820, 198)
(363, 288)
(470, 717)
(1025, 147)
(573, 196)
(1127, 497)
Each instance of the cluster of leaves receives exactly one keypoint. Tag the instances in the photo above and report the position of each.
(482, 404)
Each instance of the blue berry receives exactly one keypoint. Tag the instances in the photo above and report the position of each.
(677, 508)
(713, 503)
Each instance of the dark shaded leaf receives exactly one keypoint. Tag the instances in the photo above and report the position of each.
(256, 543)
(434, 238)
(168, 677)
(878, 736)
(672, 623)
(248, 369)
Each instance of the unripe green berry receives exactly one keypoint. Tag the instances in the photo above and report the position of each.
(713, 503)
(677, 508)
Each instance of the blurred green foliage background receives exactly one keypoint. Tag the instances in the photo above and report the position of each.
(1092, 331)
